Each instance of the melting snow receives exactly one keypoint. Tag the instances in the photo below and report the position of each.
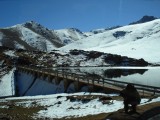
(78, 109)
(58, 106)
(10, 53)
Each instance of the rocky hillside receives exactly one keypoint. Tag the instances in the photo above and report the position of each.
(29, 36)
(139, 40)
(75, 58)
(33, 36)
(144, 19)
(70, 35)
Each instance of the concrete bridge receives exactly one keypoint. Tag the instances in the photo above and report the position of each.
(107, 85)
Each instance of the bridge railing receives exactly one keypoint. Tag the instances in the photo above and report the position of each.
(105, 82)
(140, 87)
(92, 80)
(113, 82)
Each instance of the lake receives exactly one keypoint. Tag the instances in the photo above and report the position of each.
(139, 75)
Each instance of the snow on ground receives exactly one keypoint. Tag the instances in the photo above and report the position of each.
(58, 106)
(10, 53)
(61, 107)
(79, 60)
(50, 46)
(69, 35)
(137, 41)
(77, 109)
(7, 84)
(29, 37)
(18, 45)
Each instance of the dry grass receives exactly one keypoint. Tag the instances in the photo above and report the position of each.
(17, 112)
(14, 112)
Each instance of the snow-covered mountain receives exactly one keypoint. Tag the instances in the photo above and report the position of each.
(139, 39)
(97, 31)
(34, 36)
(70, 35)
(144, 19)
(30, 36)
(136, 41)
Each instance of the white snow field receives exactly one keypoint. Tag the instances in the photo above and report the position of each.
(58, 106)
(136, 41)
(70, 35)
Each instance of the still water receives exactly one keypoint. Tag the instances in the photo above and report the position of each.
(139, 75)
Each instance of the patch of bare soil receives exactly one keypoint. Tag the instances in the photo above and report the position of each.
(14, 112)
(121, 115)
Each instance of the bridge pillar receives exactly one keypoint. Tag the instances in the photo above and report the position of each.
(39, 75)
(67, 82)
(78, 85)
(58, 80)
(44, 76)
(34, 73)
(22, 70)
(50, 78)
(27, 71)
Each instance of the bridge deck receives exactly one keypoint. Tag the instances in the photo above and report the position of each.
(99, 82)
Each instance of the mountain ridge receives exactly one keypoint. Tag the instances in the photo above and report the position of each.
(144, 19)
(136, 41)
(33, 36)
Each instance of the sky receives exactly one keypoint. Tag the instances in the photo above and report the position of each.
(85, 15)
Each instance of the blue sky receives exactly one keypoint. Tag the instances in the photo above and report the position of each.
(82, 14)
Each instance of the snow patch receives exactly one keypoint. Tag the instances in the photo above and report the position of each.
(77, 109)
(58, 106)
(68, 36)
(7, 84)
(10, 53)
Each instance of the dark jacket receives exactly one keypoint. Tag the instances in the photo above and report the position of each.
(130, 95)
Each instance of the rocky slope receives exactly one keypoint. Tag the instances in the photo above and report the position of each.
(29, 36)
(70, 35)
(77, 58)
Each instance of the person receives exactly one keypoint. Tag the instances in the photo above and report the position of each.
(130, 96)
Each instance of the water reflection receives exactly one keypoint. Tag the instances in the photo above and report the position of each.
(102, 72)
(114, 73)
(144, 75)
